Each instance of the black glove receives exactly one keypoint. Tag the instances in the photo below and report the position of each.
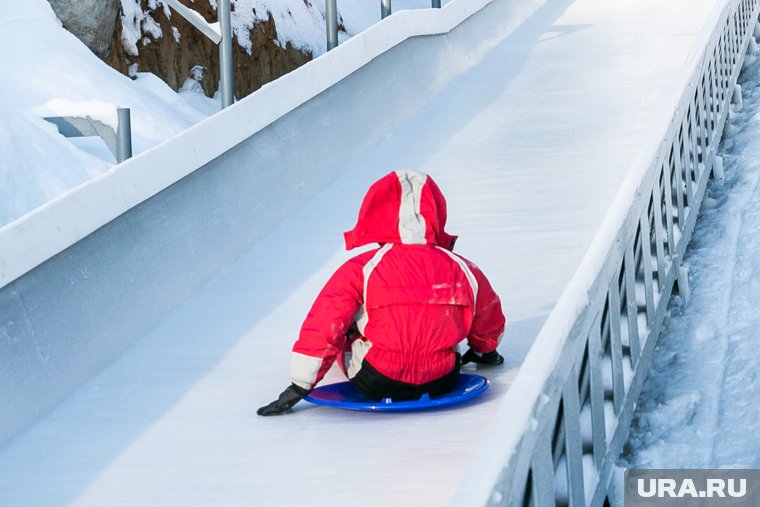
(289, 397)
(489, 358)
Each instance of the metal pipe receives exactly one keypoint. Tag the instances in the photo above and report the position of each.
(226, 78)
(123, 135)
(331, 15)
(385, 8)
(194, 19)
(436, 4)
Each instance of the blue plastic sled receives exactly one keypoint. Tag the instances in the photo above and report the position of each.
(344, 395)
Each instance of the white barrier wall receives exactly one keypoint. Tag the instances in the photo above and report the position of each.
(84, 276)
(563, 423)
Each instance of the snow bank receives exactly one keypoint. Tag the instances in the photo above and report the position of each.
(51, 73)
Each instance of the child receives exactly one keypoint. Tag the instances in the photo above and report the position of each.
(401, 308)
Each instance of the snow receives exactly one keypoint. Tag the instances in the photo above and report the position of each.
(51, 73)
(436, 61)
(305, 28)
(55, 75)
(300, 23)
(532, 123)
(698, 407)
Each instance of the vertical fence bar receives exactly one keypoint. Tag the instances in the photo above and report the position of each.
(227, 78)
(571, 415)
(596, 391)
(702, 131)
(668, 178)
(385, 8)
(123, 135)
(632, 306)
(331, 18)
(646, 266)
(678, 168)
(659, 236)
(542, 466)
(725, 69)
(692, 159)
(436, 4)
(616, 347)
(715, 103)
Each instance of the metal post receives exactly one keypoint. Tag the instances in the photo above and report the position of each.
(385, 8)
(227, 79)
(331, 13)
(123, 135)
(436, 4)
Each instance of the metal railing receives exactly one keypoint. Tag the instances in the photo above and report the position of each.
(223, 40)
(331, 18)
(385, 7)
(578, 420)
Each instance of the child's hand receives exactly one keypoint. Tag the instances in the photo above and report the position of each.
(488, 359)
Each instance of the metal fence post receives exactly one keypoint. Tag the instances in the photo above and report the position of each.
(436, 4)
(223, 40)
(123, 135)
(331, 15)
(385, 8)
(227, 78)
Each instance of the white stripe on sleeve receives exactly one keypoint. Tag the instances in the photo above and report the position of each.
(361, 317)
(304, 369)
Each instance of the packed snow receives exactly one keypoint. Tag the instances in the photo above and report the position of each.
(699, 404)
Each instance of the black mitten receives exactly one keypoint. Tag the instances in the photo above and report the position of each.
(289, 397)
(488, 359)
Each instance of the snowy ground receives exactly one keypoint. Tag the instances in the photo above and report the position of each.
(699, 405)
(49, 72)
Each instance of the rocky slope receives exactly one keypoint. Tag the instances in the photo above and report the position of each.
(146, 36)
(93, 21)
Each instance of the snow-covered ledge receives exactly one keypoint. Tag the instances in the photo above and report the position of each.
(85, 275)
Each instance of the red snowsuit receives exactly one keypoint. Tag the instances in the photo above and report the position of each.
(412, 300)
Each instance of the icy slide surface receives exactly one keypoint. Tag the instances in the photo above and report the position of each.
(530, 146)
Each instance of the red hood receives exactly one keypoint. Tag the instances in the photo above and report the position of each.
(402, 207)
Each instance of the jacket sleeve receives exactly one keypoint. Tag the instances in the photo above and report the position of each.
(323, 333)
(488, 320)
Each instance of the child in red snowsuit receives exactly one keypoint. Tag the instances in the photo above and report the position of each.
(401, 308)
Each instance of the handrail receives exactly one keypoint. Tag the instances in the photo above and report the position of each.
(331, 18)
(587, 366)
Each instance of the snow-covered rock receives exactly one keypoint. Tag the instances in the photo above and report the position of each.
(92, 21)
